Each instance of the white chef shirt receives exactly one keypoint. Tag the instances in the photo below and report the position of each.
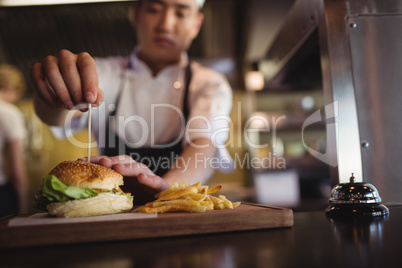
(149, 109)
(11, 129)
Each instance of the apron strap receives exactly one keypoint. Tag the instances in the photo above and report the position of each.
(188, 76)
(167, 155)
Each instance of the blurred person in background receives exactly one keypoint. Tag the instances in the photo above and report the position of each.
(158, 72)
(13, 181)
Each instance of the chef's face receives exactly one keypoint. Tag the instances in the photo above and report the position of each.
(166, 28)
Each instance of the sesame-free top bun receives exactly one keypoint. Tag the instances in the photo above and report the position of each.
(87, 175)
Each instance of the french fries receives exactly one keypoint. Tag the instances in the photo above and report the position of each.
(186, 197)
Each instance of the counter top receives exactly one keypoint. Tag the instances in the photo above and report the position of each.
(313, 241)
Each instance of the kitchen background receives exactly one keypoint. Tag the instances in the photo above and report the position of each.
(273, 55)
(236, 34)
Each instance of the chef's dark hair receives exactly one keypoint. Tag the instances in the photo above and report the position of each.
(140, 2)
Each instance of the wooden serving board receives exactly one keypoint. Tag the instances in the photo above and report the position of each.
(27, 232)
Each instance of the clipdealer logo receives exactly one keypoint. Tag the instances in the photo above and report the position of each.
(331, 114)
(245, 161)
(245, 133)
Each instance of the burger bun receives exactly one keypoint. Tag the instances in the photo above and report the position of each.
(104, 203)
(87, 175)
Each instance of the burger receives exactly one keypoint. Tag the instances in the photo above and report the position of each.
(81, 189)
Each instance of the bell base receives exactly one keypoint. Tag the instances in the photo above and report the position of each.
(354, 210)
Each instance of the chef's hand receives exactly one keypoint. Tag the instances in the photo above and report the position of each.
(136, 174)
(67, 80)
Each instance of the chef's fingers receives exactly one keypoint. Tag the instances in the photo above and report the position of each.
(99, 99)
(105, 161)
(51, 70)
(127, 167)
(119, 159)
(123, 164)
(43, 89)
(154, 182)
(132, 169)
(94, 159)
(89, 78)
(67, 62)
(109, 160)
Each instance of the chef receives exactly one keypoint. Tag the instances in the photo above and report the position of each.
(160, 117)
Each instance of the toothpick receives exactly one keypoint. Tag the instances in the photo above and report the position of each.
(89, 132)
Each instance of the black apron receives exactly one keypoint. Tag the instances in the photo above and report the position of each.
(147, 155)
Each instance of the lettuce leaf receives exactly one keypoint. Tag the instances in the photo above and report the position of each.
(53, 190)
